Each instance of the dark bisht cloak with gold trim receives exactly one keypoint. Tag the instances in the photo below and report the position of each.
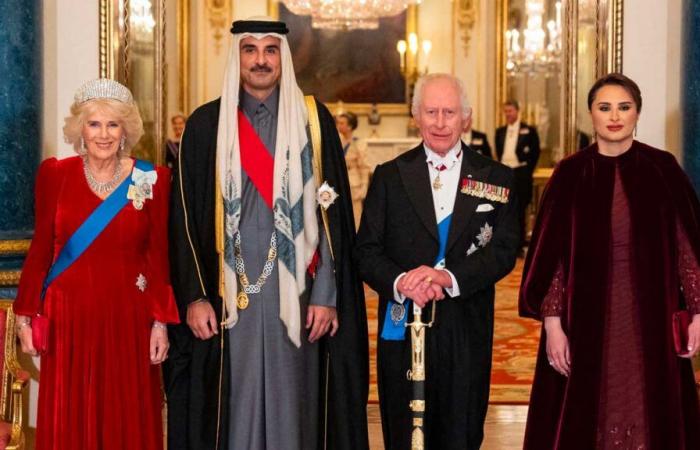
(574, 229)
(196, 372)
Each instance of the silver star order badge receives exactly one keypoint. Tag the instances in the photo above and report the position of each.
(472, 249)
(486, 234)
(141, 282)
(326, 195)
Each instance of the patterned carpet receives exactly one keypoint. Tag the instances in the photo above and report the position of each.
(514, 347)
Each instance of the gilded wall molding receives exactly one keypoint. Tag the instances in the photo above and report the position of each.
(608, 57)
(107, 57)
(115, 60)
(127, 42)
(9, 277)
(610, 18)
(465, 16)
(501, 56)
(161, 82)
(14, 246)
(217, 13)
(183, 45)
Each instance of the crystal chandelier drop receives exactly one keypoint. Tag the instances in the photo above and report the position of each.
(142, 18)
(540, 52)
(348, 14)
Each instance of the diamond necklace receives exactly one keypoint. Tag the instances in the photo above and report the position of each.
(102, 187)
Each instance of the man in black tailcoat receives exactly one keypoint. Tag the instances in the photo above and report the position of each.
(518, 147)
(439, 229)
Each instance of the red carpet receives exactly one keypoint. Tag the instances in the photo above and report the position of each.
(514, 344)
(514, 347)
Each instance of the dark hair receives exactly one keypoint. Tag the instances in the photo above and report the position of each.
(616, 79)
(513, 103)
(351, 118)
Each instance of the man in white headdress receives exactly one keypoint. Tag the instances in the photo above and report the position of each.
(273, 350)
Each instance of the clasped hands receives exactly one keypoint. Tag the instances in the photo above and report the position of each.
(424, 284)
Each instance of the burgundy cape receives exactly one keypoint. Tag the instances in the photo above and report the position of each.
(573, 229)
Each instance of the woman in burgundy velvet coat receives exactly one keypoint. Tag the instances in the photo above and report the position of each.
(617, 242)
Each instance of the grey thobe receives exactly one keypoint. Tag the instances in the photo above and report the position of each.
(274, 385)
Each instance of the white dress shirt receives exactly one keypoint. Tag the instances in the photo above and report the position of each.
(509, 157)
(443, 200)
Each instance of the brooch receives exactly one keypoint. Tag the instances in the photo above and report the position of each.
(398, 311)
(481, 189)
(141, 282)
(326, 195)
(142, 187)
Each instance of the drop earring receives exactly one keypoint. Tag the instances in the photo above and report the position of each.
(82, 150)
(122, 144)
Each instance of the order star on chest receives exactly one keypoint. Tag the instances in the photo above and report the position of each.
(326, 195)
(485, 235)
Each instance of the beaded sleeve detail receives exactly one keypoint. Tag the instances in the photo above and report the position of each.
(689, 272)
(553, 302)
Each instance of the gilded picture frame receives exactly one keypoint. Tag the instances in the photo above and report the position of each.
(606, 58)
(133, 53)
(364, 107)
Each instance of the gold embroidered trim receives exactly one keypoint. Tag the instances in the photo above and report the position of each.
(184, 209)
(315, 129)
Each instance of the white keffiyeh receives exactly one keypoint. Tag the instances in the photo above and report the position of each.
(294, 190)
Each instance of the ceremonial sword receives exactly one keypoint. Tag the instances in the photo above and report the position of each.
(416, 374)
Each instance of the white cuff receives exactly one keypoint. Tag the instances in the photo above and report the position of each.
(454, 290)
(399, 297)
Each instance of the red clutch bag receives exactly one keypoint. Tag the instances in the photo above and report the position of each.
(40, 333)
(681, 321)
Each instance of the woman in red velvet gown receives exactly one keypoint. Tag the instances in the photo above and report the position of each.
(617, 239)
(100, 378)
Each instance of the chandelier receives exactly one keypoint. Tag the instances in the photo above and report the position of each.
(348, 14)
(540, 52)
(142, 18)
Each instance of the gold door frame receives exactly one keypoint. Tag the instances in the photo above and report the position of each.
(608, 58)
(115, 59)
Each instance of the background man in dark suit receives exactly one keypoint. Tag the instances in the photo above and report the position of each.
(429, 234)
(476, 140)
(518, 147)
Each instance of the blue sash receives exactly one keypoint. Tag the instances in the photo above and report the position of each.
(393, 329)
(88, 231)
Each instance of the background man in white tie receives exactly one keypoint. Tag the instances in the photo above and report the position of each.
(518, 147)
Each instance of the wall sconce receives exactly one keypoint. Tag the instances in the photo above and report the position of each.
(413, 63)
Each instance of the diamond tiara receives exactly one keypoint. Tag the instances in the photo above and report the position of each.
(103, 88)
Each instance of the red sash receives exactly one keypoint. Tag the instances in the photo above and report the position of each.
(256, 161)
